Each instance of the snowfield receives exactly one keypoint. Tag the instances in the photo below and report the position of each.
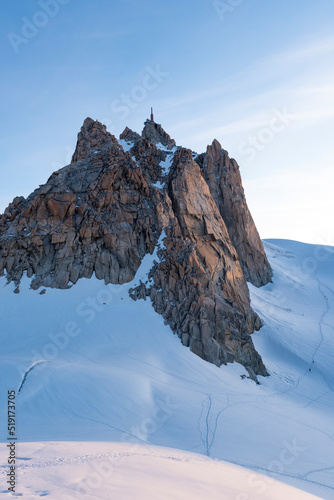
(68, 471)
(100, 377)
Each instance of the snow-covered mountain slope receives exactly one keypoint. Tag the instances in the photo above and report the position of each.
(74, 471)
(93, 365)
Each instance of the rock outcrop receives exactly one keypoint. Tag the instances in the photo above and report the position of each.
(93, 135)
(154, 133)
(223, 177)
(107, 209)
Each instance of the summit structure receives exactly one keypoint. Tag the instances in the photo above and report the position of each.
(120, 200)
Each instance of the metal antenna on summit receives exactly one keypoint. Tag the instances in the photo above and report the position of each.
(152, 117)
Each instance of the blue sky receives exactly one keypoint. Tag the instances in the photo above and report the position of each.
(258, 75)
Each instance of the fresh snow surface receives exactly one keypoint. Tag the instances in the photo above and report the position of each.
(70, 471)
(160, 146)
(166, 164)
(125, 145)
(94, 365)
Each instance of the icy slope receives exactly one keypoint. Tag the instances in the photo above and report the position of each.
(108, 369)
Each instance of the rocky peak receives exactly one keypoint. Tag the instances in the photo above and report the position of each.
(129, 135)
(154, 132)
(107, 209)
(92, 136)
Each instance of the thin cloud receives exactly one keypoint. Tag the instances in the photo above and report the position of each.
(259, 72)
(312, 50)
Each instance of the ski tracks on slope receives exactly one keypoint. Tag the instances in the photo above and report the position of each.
(321, 324)
(209, 422)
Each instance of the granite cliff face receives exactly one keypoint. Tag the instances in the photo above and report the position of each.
(223, 177)
(107, 209)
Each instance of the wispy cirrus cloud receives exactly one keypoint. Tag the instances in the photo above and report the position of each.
(260, 71)
(245, 101)
(313, 49)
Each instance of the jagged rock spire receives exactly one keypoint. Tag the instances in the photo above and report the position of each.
(93, 134)
(154, 133)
